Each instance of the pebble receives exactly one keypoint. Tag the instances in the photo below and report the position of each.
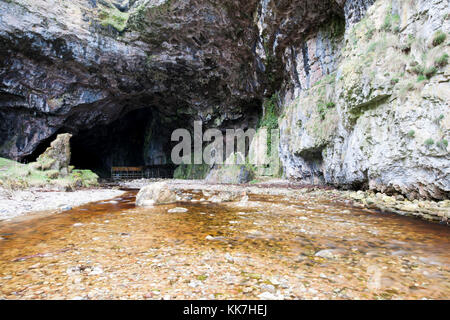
(96, 271)
(268, 288)
(327, 253)
(195, 283)
(228, 257)
(267, 296)
(177, 210)
(78, 224)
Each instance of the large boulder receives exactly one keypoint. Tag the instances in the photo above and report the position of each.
(155, 193)
(57, 157)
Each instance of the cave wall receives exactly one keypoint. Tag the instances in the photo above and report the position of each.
(371, 119)
(345, 73)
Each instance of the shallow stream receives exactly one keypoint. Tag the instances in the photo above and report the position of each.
(269, 247)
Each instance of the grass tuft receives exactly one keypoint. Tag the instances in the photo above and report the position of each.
(439, 38)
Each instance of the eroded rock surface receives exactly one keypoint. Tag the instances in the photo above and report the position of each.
(362, 87)
(379, 118)
(155, 193)
(57, 156)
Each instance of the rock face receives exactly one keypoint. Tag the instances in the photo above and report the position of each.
(380, 118)
(74, 66)
(155, 193)
(231, 172)
(362, 86)
(57, 156)
(234, 174)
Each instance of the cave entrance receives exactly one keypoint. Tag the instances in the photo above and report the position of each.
(128, 142)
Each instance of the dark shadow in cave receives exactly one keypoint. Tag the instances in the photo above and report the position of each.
(134, 140)
(141, 137)
(120, 143)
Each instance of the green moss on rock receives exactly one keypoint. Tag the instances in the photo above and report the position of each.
(191, 171)
(114, 18)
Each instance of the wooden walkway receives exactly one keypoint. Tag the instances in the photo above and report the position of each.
(147, 172)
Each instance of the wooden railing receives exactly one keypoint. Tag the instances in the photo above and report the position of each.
(147, 172)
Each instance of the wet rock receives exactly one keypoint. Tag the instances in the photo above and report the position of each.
(155, 193)
(227, 196)
(329, 253)
(177, 210)
(268, 288)
(269, 296)
(229, 258)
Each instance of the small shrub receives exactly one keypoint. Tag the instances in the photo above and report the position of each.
(443, 144)
(406, 46)
(429, 142)
(411, 133)
(418, 69)
(387, 23)
(391, 23)
(372, 47)
(421, 78)
(322, 108)
(430, 72)
(438, 38)
(395, 81)
(370, 32)
(442, 61)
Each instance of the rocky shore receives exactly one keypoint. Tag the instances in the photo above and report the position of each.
(437, 211)
(19, 203)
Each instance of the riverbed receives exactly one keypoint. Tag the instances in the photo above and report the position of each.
(268, 247)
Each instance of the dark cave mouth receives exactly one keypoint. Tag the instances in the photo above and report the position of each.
(137, 138)
(130, 141)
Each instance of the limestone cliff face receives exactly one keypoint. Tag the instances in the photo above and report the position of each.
(380, 116)
(362, 88)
